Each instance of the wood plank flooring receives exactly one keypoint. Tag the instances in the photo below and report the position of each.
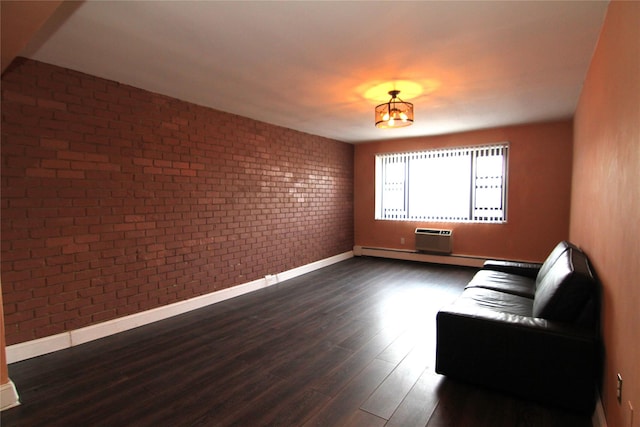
(352, 344)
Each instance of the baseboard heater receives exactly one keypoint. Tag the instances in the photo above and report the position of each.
(433, 240)
(412, 255)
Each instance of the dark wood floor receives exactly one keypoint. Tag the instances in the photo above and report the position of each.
(352, 344)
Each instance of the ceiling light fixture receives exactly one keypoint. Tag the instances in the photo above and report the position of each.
(394, 114)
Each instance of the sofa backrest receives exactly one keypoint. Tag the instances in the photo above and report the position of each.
(560, 249)
(567, 291)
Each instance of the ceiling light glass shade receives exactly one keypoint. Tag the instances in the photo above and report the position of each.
(394, 114)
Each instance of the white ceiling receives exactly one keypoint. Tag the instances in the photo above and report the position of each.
(310, 65)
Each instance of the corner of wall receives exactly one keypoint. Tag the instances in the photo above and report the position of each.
(8, 396)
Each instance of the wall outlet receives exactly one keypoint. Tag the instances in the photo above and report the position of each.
(619, 389)
(402, 240)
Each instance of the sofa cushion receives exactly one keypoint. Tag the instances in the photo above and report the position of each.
(567, 291)
(495, 300)
(560, 249)
(528, 269)
(504, 282)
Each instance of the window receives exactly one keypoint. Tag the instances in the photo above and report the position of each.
(455, 185)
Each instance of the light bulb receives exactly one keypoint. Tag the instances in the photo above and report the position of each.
(385, 117)
(391, 121)
(403, 116)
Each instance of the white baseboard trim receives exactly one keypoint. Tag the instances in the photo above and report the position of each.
(598, 419)
(461, 260)
(38, 347)
(8, 396)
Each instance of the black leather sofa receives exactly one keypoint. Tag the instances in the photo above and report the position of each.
(531, 330)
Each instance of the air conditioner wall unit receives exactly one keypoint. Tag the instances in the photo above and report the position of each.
(434, 240)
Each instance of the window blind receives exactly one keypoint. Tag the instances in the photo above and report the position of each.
(453, 185)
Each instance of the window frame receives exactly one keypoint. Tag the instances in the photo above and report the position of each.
(474, 152)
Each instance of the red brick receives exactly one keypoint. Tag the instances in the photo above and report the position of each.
(56, 105)
(67, 98)
(86, 238)
(103, 316)
(31, 304)
(51, 329)
(55, 164)
(75, 248)
(9, 96)
(39, 173)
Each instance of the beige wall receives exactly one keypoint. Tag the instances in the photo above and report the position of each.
(605, 204)
(20, 21)
(538, 193)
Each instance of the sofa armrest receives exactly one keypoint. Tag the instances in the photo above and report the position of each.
(533, 358)
(529, 269)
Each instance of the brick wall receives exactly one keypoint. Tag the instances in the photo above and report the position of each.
(116, 200)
